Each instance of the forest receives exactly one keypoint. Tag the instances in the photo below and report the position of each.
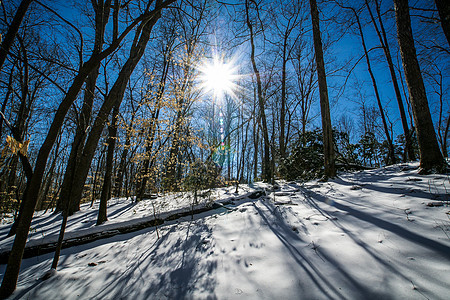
(135, 99)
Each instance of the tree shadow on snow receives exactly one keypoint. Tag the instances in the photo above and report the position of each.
(312, 199)
(442, 249)
(172, 268)
(314, 270)
(403, 190)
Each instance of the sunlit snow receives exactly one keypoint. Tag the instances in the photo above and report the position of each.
(363, 235)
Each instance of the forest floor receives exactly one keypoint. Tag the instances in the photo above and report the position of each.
(382, 233)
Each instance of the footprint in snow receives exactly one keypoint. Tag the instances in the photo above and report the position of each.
(238, 291)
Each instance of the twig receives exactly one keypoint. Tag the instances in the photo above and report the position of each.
(154, 216)
(315, 247)
(408, 212)
(417, 289)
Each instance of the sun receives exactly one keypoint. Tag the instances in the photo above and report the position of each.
(218, 77)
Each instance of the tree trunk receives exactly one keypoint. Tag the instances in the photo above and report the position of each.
(283, 101)
(12, 31)
(98, 169)
(256, 148)
(430, 155)
(409, 151)
(153, 122)
(114, 97)
(123, 158)
(20, 127)
(106, 189)
(171, 165)
(7, 95)
(391, 156)
(32, 191)
(444, 14)
(266, 169)
(49, 178)
(444, 137)
(329, 157)
(78, 141)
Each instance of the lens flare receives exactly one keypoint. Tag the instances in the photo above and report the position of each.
(218, 77)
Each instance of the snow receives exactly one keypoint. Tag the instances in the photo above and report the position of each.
(363, 235)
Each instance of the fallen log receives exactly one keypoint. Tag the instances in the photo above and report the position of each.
(36, 250)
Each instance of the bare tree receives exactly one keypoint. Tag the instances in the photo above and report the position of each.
(107, 181)
(31, 195)
(156, 101)
(437, 78)
(12, 30)
(290, 19)
(444, 14)
(267, 169)
(430, 156)
(391, 152)
(328, 149)
(381, 32)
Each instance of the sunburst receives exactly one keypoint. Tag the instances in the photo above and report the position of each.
(219, 78)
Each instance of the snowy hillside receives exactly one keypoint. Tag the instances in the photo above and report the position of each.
(382, 233)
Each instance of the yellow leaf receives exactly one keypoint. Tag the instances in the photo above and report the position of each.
(4, 151)
(24, 148)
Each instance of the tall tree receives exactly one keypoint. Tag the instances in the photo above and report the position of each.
(118, 184)
(102, 12)
(444, 14)
(381, 32)
(154, 117)
(12, 30)
(115, 95)
(391, 153)
(191, 31)
(31, 195)
(430, 156)
(107, 181)
(328, 149)
(266, 169)
(290, 19)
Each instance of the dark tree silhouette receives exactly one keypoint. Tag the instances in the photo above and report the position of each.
(328, 150)
(430, 155)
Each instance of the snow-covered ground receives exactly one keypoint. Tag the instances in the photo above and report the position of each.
(363, 235)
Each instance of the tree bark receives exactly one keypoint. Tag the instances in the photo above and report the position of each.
(114, 97)
(153, 122)
(328, 150)
(106, 189)
(444, 14)
(266, 169)
(12, 30)
(430, 156)
(392, 158)
(409, 151)
(31, 195)
(123, 158)
(78, 141)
